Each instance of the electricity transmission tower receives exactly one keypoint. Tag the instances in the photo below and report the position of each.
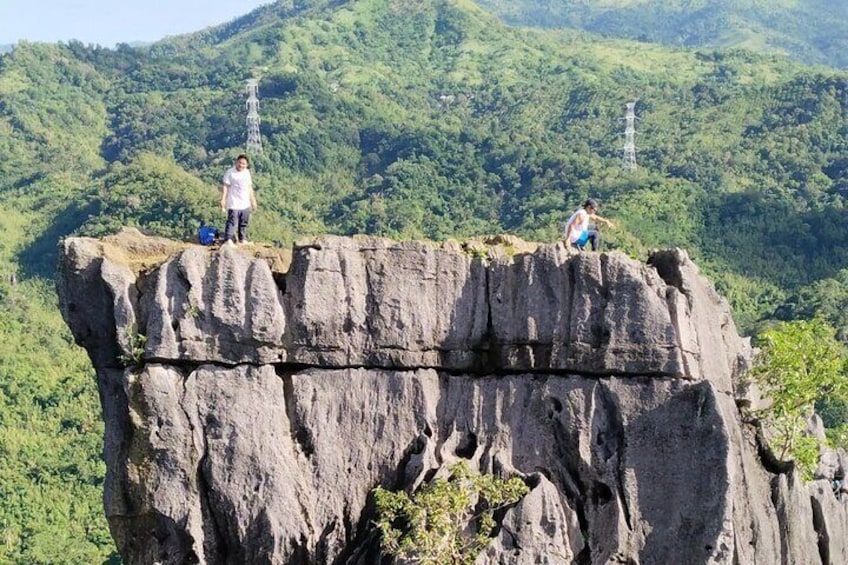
(629, 160)
(254, 140)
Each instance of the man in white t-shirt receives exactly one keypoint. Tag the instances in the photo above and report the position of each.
(578, 231)
(238, 200)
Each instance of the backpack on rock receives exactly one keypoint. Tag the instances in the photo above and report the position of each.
(207, 235)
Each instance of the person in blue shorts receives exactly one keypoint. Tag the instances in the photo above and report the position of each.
(579, 229)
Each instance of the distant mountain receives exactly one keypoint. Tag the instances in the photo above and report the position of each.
(432, 119)
(267, 14)
(6, 48)
(811, 31)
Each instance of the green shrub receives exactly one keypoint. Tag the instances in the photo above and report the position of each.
(447, 522)
(800, 363)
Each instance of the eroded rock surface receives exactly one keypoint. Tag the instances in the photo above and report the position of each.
(261, 408)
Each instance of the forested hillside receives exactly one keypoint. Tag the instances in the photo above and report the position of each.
(423, 119)
(811, 31)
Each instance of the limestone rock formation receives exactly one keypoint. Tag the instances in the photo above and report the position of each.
(250, 411)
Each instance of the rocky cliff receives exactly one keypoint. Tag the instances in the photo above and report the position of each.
(251, 406)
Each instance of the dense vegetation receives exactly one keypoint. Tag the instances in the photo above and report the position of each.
(812, 31)
(801, 365)
(51, 471)
(409, 119)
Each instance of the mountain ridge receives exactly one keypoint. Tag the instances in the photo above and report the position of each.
(348, 87)
(807, 31)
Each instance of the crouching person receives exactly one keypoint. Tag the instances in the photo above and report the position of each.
(579, 230)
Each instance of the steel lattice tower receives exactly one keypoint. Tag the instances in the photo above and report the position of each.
(629, 161)
(254, 139)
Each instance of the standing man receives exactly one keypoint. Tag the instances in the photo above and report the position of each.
(577, 230)
(238, 200)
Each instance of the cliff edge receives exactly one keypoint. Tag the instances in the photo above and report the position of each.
(253, 402)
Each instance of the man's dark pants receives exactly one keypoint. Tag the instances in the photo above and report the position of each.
(238, 218)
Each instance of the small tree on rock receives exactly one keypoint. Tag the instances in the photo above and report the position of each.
(800, 363)
(447, 522)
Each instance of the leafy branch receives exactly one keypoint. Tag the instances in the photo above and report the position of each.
(447, 522)
(136, 344)
(799, 364)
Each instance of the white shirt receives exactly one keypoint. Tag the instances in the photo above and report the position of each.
(579, 222)
(240, 185)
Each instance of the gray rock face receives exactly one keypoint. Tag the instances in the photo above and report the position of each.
(378, 303)
(601, 314)
(222, 307)
(265, 407)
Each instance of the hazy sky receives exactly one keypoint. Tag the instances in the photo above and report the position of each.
(107, 22)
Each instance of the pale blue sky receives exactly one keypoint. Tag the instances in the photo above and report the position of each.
(107, 22)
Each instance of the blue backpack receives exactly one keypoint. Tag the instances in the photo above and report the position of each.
(207, 235)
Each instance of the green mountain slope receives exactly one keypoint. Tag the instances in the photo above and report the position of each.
(424, 118)
(812, 31)
(431, 119)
